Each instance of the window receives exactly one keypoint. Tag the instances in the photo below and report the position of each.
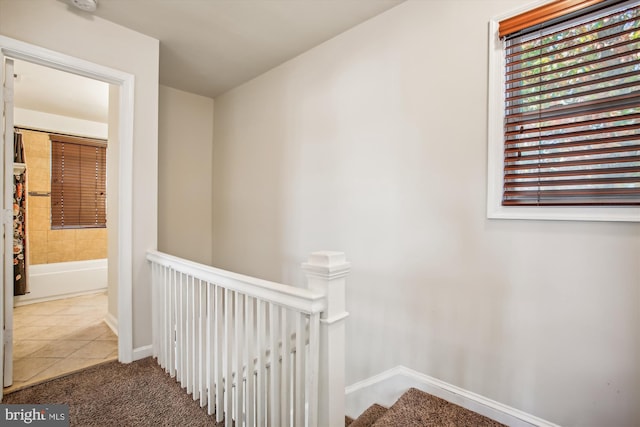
(78, 182)
(569, 134)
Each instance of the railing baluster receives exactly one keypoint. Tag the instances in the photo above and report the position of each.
(177, 295)
(162, 306)
(184, 327)
(249, 333)
(160, 309)
(313, 367)
(203, 344)
(299, 391)
(261, 370)
(165, 330)
(274, 367)
(189, 335)
(228, 362)
(172, 324)
(154, 312)
(285, 348)
(219, 354)
(238, 351)
(169, 335)
(211, 339)
(195, 344)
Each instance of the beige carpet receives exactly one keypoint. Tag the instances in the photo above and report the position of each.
(142, 394)
(416, 408)
(116, 394)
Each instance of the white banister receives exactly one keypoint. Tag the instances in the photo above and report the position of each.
(290, 296)
(326, 272)
(256, 353)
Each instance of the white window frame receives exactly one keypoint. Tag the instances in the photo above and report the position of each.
(495, 150)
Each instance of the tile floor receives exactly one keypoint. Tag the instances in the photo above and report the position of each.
(54, 338)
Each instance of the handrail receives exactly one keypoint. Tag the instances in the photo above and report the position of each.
(304, 300)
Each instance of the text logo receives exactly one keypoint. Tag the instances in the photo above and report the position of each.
(34, 415)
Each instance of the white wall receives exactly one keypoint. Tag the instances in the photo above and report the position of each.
(375, 144)
(54, 25)
(39, 120)
(184, 181)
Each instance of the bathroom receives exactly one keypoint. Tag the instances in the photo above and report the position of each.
(60, 261)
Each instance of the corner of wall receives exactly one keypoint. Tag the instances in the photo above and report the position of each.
(387, 387)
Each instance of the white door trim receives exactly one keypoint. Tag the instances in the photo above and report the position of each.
(20, 50)
(6, 159)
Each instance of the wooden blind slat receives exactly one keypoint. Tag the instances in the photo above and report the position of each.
(520, 130)
(553, 173)
(613, 103)
(583, 162)
(573, 182)
(551, 141)
(569, 202)
(602, 192)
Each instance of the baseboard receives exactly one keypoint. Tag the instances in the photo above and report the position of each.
(387, 387)
(20, 300)
(142, 352)
(112, 323)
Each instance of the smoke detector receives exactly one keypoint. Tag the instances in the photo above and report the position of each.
(86, 5)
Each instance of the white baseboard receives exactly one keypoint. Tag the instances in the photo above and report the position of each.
(387, 387)
(20, 300)
(112, 323)
(142, 352)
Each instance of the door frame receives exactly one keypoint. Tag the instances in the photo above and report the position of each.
(6, 153)
(16, 49)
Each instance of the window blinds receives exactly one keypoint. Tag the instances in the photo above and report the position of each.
(78, 182)
(572, 112)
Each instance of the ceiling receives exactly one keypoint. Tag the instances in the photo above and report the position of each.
(211, 46)
(207, 47)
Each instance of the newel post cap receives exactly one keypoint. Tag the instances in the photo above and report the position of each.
(327, 264)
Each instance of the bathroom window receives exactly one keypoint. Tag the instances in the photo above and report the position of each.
(78, 182)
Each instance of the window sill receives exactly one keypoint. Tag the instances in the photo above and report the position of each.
(614, 214)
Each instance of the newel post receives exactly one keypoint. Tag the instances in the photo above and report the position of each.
(326, 272)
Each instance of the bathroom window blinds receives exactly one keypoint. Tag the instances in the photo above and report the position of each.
(78, 182)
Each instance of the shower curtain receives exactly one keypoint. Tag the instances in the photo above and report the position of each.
(19, 219)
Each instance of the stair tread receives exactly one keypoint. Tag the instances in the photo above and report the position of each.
(369, 416)
(416, 408)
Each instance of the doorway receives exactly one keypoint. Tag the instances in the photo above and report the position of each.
(121, 255)
(61, 307)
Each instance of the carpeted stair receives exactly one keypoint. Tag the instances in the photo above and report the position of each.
(416, 408)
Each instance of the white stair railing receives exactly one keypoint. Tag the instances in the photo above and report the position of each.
(254, 352)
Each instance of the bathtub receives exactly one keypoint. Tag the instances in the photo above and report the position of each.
(64, 279)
